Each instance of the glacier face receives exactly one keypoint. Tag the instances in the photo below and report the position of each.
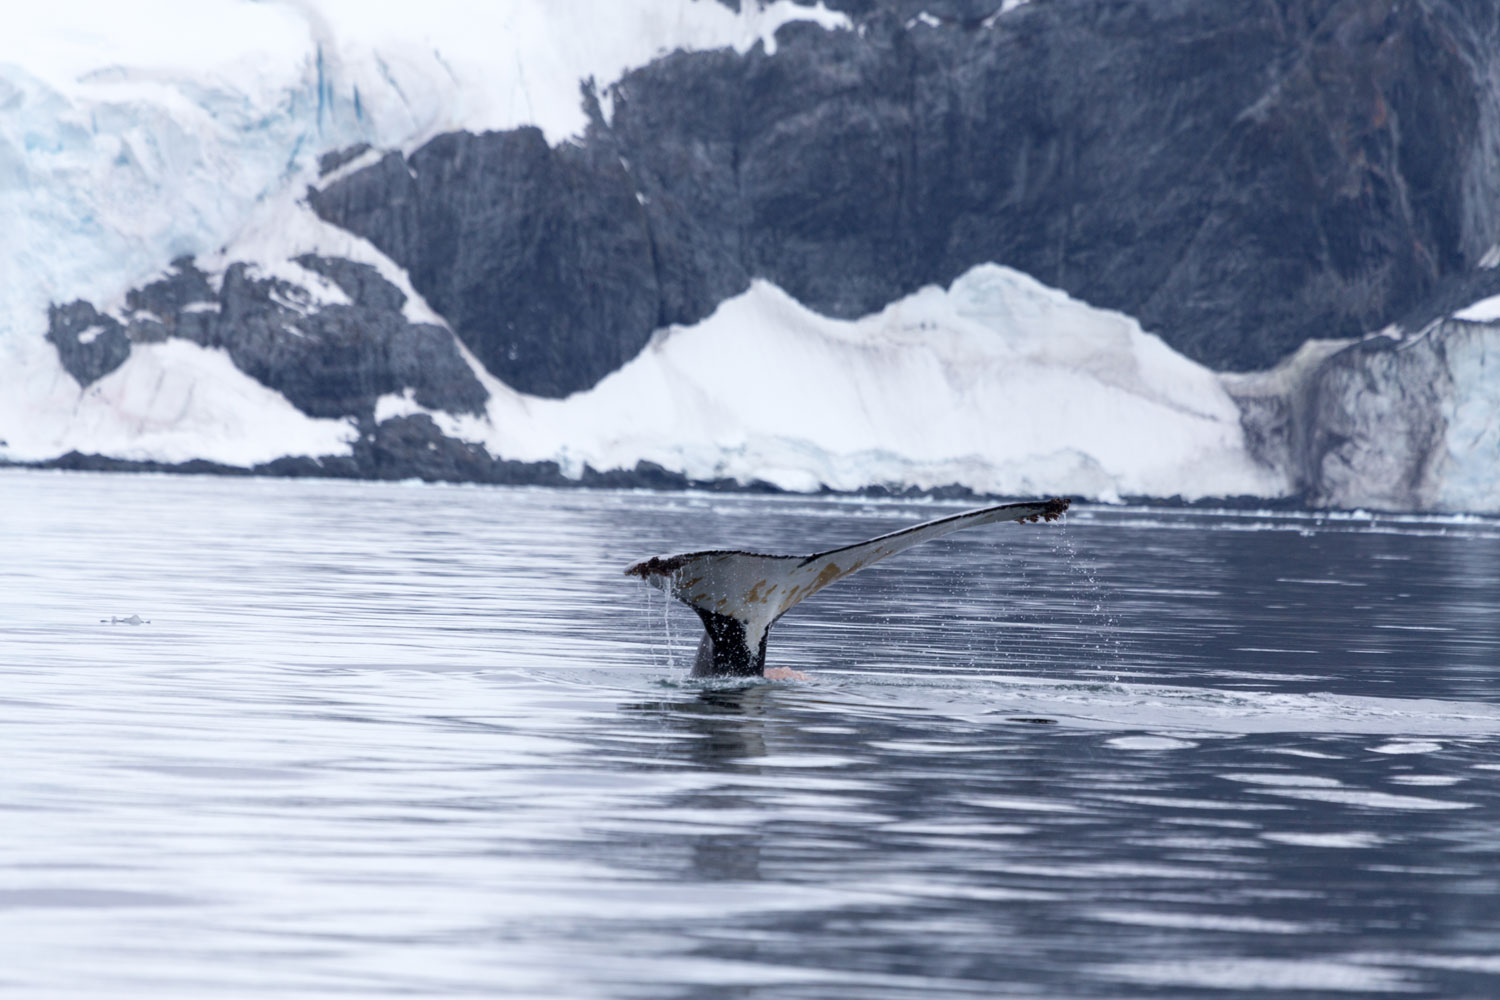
(1469, 466)
(1395, 421)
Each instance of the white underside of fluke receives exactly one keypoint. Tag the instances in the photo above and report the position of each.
(756, 589)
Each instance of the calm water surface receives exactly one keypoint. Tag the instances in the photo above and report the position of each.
(378, 739)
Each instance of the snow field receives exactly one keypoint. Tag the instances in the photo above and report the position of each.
(999, 383)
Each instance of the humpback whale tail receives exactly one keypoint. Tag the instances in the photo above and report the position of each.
(740, 595)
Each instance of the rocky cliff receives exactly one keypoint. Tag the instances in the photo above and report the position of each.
(1240, 178)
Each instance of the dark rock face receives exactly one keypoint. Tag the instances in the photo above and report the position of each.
(328, 360)
(89, 344)
(182, 304)
(406, 447)
(329, 162)
(540, 258)
(1239, 177)
(174, 294)
(1451, 294)
(335, 360)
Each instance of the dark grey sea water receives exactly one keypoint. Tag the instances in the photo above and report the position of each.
(394, 740)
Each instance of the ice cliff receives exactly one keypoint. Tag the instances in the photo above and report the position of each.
(693, 240)
(1398, 421)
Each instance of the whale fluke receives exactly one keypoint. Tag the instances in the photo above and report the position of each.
(740, 595)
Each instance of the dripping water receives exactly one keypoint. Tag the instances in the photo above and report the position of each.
(1096, 615)
(666, 626)
(657, 624)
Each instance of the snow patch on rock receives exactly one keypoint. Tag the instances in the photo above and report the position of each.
(1483, 311)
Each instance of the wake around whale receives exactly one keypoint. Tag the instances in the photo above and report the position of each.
(740, 595)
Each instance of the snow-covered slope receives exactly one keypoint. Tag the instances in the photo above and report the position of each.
(176, 401)
(998, 383)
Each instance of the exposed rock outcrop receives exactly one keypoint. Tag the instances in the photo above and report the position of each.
(89, 344)
(540, 257)
(328, 358)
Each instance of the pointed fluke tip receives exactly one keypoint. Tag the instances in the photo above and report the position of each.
(656, 566)
(1056, 508)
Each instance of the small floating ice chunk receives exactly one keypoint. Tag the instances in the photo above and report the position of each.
(1150, 743)
(1354, 839)
(1408, 746)
(1293, 752)
(1369, 800)
(1269, 974)
(1196, 921)
(131, 620)
(1285, 780)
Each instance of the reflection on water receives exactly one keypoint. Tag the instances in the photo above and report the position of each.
(375, 739)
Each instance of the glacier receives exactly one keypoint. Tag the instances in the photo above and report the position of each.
(1398, 420)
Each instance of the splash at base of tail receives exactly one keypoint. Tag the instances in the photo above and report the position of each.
(740, 595)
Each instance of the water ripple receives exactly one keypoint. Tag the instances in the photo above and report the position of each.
(386, 739)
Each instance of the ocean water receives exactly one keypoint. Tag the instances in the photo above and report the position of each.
(400, 740)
